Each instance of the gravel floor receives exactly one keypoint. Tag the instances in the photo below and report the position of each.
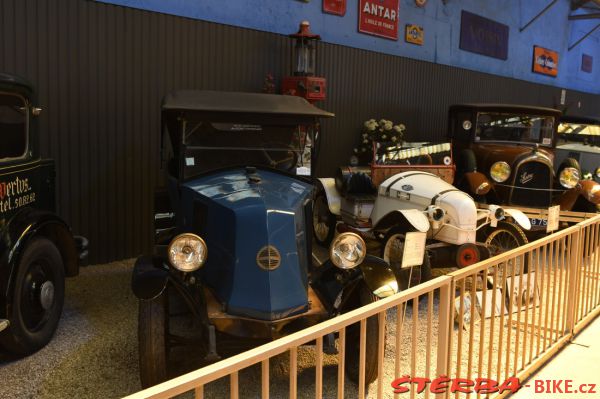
(94, 353)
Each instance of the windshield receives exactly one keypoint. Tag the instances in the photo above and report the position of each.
(520, 128)
(210, 146)
(576, 128)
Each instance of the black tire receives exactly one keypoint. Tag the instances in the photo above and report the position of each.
(37, 299)
(153, 327)
(392, 249)
(324, 221)
(362, 296)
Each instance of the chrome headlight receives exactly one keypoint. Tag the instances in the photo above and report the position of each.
(347, 250)
(187, 252)
(500, 171)
(569, 177)
(597, 172)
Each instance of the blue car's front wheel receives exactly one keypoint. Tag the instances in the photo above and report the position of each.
(362, 296)
(153, 323)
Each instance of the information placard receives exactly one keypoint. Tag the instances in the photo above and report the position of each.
(414, 249)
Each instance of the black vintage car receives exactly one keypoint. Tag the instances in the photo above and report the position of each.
(233, 236)
(37, 249)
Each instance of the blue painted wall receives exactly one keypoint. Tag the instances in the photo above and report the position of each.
(442, 31)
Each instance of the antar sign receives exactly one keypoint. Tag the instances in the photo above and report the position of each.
(379, 18)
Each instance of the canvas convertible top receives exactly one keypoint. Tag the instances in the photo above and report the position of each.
(238, 102)
(508, 108)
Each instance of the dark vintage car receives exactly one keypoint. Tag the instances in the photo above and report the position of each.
(514, 147)
(579, 138)
(37, 249)
(233, 238)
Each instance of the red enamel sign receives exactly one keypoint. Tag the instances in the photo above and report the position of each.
(379, 18)
(337, 7)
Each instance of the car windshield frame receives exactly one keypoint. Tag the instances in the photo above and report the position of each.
(509, 127)
(193, 139)
(24, 111)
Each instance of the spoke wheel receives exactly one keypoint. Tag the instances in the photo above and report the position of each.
(504, 237)
(324, 221)
(392, 252)
(37, 300)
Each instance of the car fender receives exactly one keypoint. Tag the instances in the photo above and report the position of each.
(150, 277)
(478, 183)
(24, 226)
(378, 276)
(591, 191)
(334, 198)
(407, 219)
(519, 217)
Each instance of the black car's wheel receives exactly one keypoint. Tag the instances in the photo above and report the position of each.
(362, 296)
(37, 300)
(324, 221)
(153, 327)
(392, 251)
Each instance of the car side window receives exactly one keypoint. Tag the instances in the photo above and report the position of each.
(13, 127)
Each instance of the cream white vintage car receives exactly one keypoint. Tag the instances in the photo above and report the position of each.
(421, 219)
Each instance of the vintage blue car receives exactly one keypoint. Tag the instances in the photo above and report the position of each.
(233, 238)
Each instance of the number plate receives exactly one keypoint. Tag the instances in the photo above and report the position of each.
(538, 222)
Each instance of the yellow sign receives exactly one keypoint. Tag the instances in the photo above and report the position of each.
(414, 34)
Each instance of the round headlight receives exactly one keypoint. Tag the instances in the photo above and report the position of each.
(569, 177)
(597, 172)
(187, 252)
(347, 250)
(500, 171)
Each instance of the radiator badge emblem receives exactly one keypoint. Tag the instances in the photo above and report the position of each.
(526, 177)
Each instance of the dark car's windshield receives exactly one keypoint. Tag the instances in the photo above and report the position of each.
(210, 146)
(523, 128)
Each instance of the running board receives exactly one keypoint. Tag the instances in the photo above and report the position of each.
(4, 324)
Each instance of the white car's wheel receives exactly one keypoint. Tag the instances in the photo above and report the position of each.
(324, 221)
(392, 251)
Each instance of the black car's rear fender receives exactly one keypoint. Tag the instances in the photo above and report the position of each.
(15, 236)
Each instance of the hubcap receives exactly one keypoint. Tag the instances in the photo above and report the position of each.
(320, 220)
(47, 295)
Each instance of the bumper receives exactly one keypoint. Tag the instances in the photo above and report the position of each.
(82, 244)
(263, 329)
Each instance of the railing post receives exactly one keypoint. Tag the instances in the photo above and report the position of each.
(574, 272)
(445, 327)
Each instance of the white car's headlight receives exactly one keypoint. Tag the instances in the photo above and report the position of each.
(347, 250)
(500, 171)
(569, 177)
(187, 252)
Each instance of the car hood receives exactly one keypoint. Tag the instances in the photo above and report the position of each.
(243, 216)
(487, 154)
(236, 188)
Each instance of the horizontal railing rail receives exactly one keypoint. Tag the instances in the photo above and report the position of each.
(500, 318)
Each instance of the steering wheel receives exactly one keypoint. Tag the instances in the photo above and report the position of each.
(283, 160)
